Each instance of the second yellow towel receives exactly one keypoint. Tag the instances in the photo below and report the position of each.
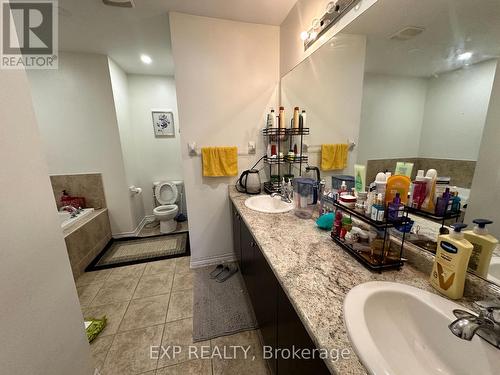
(219, 161)
(334, 156)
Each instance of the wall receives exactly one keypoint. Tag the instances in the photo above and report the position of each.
(226, 77)
(41, 322)
(455, 111)
(78, 126)
(329, 86)
(485, 193)
(159, 157)
(119, 85)
(391, 117)
(299, 19)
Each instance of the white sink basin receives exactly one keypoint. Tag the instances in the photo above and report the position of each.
(397, 329)
(494, 270)
(268, 204)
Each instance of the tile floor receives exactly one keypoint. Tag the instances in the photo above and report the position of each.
(151, 304)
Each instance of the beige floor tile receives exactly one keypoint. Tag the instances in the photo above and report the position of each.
(114, 313)
(99, 349)
(183, 281)
(160, 266)
(87, 293)
(179, 333)
(130, 353)
(194, 367)
(152, 285)
(145, 312)
(250, 363)
(126, 273)
(182, 265)
(92, 277)
(180, 306)
(115, 291)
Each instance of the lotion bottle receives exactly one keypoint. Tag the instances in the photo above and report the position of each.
(450, 264)
(484, 244)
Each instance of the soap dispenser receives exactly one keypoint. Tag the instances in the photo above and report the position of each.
(450, 264)
(484, 244)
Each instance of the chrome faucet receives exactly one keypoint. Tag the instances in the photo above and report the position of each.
(70, 209)
(286, 194)
(486, 325)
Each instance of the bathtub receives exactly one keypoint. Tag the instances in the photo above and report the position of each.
(67, 221)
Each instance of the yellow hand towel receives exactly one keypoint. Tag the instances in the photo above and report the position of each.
(334, 156)
(219, 161)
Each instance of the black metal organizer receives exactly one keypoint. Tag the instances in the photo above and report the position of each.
(436, 218)
(280, 136)
(388, 256)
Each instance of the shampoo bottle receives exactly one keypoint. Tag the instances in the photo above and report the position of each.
(450, 264)
(295, 123)
(484, 244)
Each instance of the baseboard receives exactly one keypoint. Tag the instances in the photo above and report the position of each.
(210, 261)
(145, 220)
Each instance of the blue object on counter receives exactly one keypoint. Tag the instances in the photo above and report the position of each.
(325, 221)
(406, 227)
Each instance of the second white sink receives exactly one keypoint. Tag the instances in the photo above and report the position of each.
(398, 329)
(268, 204)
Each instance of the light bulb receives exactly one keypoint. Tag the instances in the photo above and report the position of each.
(304, 35)
(464, 56)
(146, 59)
(313, 35)
(315, 24)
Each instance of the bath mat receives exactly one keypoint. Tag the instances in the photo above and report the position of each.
(135, 250)
(220, 309)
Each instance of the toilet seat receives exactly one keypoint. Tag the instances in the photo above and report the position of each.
(166, 210)
(166, 193)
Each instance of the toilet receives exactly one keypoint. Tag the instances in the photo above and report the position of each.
(166, 196)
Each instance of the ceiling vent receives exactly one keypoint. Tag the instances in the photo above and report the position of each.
(407, 33)
(119, 3)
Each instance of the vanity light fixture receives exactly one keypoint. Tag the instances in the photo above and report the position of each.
(146, 59)
(464, 56)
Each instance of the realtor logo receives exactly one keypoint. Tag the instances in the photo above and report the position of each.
(29, 37)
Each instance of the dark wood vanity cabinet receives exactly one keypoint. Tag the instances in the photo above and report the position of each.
(279, 324)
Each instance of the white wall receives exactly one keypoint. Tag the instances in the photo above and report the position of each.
(77, 120)
(41, 323)
(119, 83)
(329, 86)
(226, 75)
(455, 112)
(299, 19)
(159, 158)
(391, 116)
(484, 200)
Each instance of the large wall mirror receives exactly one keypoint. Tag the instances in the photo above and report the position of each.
(417, 88)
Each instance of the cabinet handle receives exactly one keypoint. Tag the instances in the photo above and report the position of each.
(253, 244)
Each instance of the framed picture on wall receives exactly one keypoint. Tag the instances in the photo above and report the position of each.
(163, 123)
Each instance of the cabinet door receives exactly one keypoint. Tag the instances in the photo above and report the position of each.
(266, 302)
(291, 333)
(236, 234)
(247, 258)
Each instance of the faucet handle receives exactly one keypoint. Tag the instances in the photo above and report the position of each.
(489, 309)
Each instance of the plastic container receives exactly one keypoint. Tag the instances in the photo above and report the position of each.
(337, 181)
(305, 197)
(397, 184)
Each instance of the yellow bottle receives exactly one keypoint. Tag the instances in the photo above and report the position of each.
(450, 263)
(484, 244)
(397, 184)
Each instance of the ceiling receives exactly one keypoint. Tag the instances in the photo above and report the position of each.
(124, 34)
(451, 27)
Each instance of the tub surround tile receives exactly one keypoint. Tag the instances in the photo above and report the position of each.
(114, 313)
(88, 185)
(130, 352)
(145, 312)
(316, 275)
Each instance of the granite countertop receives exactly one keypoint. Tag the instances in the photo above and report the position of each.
(316, 274)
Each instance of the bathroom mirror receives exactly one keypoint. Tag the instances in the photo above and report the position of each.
(416, 88)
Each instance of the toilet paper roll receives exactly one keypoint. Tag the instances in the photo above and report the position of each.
(135, 190)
